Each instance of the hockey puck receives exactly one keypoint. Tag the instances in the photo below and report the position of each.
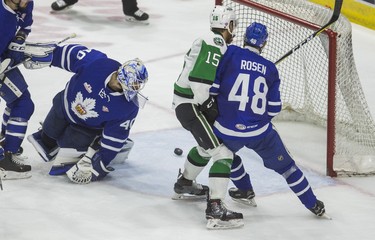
(178, 151)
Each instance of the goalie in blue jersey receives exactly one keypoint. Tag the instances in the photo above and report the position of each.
(248, 97)
(16, 19)
(92, 115)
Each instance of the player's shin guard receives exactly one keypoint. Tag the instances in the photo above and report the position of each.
(300, 186)
(196, 160)
(14, 134)
(219, 178)
(5, 120)
(238, 175)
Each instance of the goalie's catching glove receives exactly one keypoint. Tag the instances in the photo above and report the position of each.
(89, 168)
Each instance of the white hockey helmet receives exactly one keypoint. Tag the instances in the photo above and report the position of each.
(222, 16)
(132, 76)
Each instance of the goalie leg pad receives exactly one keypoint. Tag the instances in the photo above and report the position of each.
(124, 153)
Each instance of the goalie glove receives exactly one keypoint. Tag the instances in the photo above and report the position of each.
(90, 167)
(209, 109)
(80, 173)
(39, 55)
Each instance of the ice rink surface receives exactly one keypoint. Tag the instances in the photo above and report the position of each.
(134, 202)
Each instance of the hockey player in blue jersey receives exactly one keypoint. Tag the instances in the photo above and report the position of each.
(101, 99)
(248, 97)
(15, 25)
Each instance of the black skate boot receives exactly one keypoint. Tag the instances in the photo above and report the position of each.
(63, 4)
(219, 217)
(138, 16)
(244, 197)
(318, 209)
(14, 169)
(188, 189)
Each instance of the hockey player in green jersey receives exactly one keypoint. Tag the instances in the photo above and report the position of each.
(195, 110)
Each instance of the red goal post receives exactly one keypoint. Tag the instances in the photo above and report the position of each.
(320, 83)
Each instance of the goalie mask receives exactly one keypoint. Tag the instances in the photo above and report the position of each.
(256, 35)
(133, 76)
(221, 17)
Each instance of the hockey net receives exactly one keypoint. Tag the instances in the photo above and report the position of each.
(319, 81)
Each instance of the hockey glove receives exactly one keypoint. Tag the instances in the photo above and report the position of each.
(81, 172)
(16, 49)
(99, 169)
(40, 55)
(209, 109)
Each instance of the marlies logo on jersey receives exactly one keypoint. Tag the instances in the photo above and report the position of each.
(88, 87)
(240, 126)
(84, 108)
(218, 41)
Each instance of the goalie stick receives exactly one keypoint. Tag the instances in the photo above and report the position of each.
(73, 35)
(335, 16)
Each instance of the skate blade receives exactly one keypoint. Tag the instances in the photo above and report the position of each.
(326, 216)
(9, 175)
(61, 11)
(248, 202)
(213, 224)
(133, 21)
(184, 196)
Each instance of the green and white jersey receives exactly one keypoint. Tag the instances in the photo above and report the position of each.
(199, 71)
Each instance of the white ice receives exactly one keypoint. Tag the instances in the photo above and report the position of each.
(134, 202)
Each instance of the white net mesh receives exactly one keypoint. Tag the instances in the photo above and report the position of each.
(304, 76)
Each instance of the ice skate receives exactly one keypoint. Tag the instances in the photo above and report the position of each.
(319, 210)
(138, 17)
(10, 168)
(219, 217)
(61, 5)
(243, 197)
(187, 189)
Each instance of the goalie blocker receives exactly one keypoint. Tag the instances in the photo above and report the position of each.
(39, 55)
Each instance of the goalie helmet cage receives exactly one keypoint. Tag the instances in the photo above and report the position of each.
(319, 81)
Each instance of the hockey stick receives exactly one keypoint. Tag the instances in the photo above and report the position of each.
(73, 35)
(1, 184)
(335, 16)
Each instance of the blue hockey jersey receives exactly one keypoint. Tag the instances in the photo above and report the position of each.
(89, 102)
(248, 97)
(12, 21)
